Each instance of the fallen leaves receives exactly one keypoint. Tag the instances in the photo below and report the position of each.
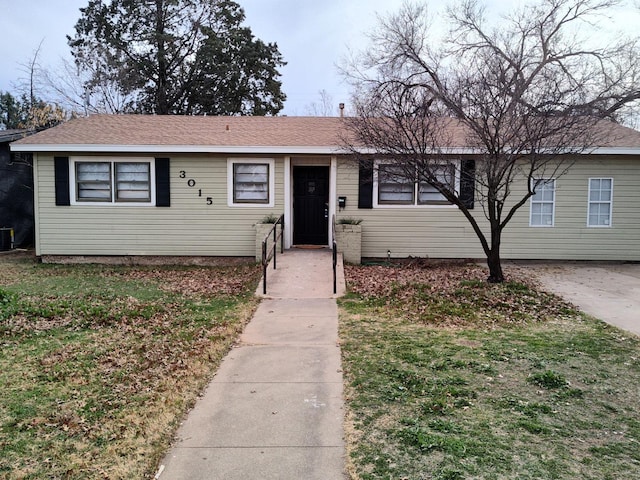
(100, 362)
(199, 281)
(453, 294)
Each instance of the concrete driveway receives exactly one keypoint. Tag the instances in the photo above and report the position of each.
(608, 291)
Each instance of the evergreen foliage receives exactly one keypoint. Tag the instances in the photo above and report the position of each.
(178, 57)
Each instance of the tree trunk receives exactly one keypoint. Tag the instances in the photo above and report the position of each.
(493, 259)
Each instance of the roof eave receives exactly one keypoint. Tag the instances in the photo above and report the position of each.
(12, 137)
(257, 150)
(575, 151)
(616, 151)
(253, 150)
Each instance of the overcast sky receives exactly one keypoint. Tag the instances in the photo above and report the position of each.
(313, 36)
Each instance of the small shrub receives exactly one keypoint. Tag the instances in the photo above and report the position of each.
(271, 218)
(349, 221)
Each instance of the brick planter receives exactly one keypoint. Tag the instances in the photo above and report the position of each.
(262, 229)
(349, 241)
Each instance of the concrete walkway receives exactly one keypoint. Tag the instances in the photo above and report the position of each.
(608, 291)
(274, 410)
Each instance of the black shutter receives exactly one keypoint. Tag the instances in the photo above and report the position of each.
(467, 183)
(61, 174)
(365, 185)
(163, 191)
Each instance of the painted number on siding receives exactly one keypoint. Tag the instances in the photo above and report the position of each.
(192, 183)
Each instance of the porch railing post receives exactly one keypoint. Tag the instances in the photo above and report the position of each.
(275, 243)
(282, 236)
(268, 246)
(264, 267)
(334, 254)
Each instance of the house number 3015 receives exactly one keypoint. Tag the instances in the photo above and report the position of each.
(192, 183)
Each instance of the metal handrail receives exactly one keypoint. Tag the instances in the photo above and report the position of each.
(266, 256)
(334, 251)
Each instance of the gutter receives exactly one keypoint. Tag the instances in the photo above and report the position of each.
(96, 148)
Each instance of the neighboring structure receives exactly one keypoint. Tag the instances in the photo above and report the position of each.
(169, 185)
(16, 189)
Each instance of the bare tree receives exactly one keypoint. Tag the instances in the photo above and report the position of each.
(77, 92)
(324, 107)
(39, 113)
(488, 106)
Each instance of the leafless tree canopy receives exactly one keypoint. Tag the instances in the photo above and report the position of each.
(324, 107)
(75, 89)
(522, 95)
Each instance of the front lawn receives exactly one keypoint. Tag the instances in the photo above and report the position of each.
(98, 364)
(448, 377)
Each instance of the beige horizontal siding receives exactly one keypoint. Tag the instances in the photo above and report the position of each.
(446, 233)
(188, 227)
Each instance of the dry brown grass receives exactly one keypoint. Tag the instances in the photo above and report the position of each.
(448, 377)
(99, 364)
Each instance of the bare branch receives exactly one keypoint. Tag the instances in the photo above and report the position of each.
(521, 97)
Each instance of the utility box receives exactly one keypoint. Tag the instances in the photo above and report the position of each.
(6, 239)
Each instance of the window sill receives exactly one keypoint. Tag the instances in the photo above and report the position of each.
(92, 203)
(414, 206)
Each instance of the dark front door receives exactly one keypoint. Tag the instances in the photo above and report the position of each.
(310, 205)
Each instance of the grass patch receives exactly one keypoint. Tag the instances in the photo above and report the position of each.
(448, 377)
(548, 379)
(99, 363)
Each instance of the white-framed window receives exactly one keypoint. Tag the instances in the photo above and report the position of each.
(543, 203)
(132, 181)
(93, 181)
(600, 202)
(112, 181)
(250, 182)
(393, 186)
(428, 194)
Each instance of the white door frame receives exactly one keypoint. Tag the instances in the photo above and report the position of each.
(289, 163)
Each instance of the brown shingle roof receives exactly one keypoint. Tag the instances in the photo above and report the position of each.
(192, 130)
(198, 133)
(13, 134)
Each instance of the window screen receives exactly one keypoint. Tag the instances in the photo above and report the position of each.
(93, 181)
(251, 183)
(133, 182)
